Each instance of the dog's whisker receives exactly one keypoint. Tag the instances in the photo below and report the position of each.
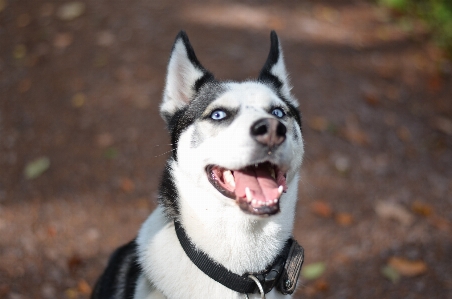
(164, 153)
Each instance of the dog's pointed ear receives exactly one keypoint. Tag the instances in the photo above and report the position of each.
(185, 76)
(274, 71)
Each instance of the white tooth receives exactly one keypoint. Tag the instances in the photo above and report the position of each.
(255, 165)
(254, 202)
(275, 200)
(229, 178)
(249, 196)
(280, 191)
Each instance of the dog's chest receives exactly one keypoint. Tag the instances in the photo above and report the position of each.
(166, 267)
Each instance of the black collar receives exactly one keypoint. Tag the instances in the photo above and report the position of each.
(282, 273)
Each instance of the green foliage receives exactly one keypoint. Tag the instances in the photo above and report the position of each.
(436, 13)
(399, 5)
(313, 271)
(37, 167)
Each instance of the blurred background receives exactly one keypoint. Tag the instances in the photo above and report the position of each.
(82, 144)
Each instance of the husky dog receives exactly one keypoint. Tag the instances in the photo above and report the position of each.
(227, 198)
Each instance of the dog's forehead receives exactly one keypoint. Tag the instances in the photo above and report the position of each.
(249, 94)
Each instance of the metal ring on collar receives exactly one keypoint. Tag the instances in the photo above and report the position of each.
(261, 289)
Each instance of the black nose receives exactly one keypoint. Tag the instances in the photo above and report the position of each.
(269, 131)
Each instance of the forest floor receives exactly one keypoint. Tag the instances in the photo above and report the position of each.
(80, 86)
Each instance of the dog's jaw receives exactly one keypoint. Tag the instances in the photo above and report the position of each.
(256, 188)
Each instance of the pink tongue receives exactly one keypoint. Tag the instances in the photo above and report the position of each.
(263, 187)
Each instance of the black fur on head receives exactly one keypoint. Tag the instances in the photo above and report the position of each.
(266, 75)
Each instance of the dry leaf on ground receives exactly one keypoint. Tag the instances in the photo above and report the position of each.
(321, 209)
(318, 123)
(83, 287)
(408, 267)
(394, 211)
(71, 10)
(127, 185)
(422, 209)
(344, 219)
(442, 124)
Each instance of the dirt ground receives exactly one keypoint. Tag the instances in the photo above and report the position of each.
(80, 87)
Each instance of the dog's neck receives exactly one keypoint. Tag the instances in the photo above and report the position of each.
(240, 242)
(243, 247)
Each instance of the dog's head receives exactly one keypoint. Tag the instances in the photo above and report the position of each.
(237, 143)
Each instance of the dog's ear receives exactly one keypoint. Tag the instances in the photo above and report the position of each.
(185, 76)
(274, 71)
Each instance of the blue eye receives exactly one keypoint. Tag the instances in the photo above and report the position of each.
(278, 112)
(218, 115)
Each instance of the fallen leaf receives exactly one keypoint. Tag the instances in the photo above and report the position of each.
(443, 124)
(372, 99)
(78, 100)
(24, 85)
(74, 262)
(111, 153)
(353, 133)
(100, 60)
(321, 285)
(356, 136)
(421, 208)
(435, 83)
(407, 267)
(392, 93)
(2, 5)
(127, 185)
(83, 287)
(318, 123)
(92, 234)
(440, 223)
(313, 271)
(143, 203)
(37, 167)
(391, 210)
(51, 231)
(105, 139)
(344, 219)
(342, 164)
(404, 134)
(4, 288)
(63, 40)
(105, 38)
(71, 293)
(326, 13)
(390, 273)
(19, 51)
(71, 10)
(321, 209)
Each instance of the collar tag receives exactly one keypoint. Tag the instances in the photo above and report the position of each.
(292, 268)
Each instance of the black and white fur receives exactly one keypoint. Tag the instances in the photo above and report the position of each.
(154, 265)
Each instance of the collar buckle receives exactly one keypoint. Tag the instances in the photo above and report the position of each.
(269, 278)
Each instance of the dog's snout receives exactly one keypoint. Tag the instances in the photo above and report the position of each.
(269, 131)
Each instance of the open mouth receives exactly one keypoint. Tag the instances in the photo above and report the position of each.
(256, 188)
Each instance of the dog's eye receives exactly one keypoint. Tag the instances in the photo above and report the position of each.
(278, 112)
(218, 115)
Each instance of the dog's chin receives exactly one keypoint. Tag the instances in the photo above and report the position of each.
(256, 189)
